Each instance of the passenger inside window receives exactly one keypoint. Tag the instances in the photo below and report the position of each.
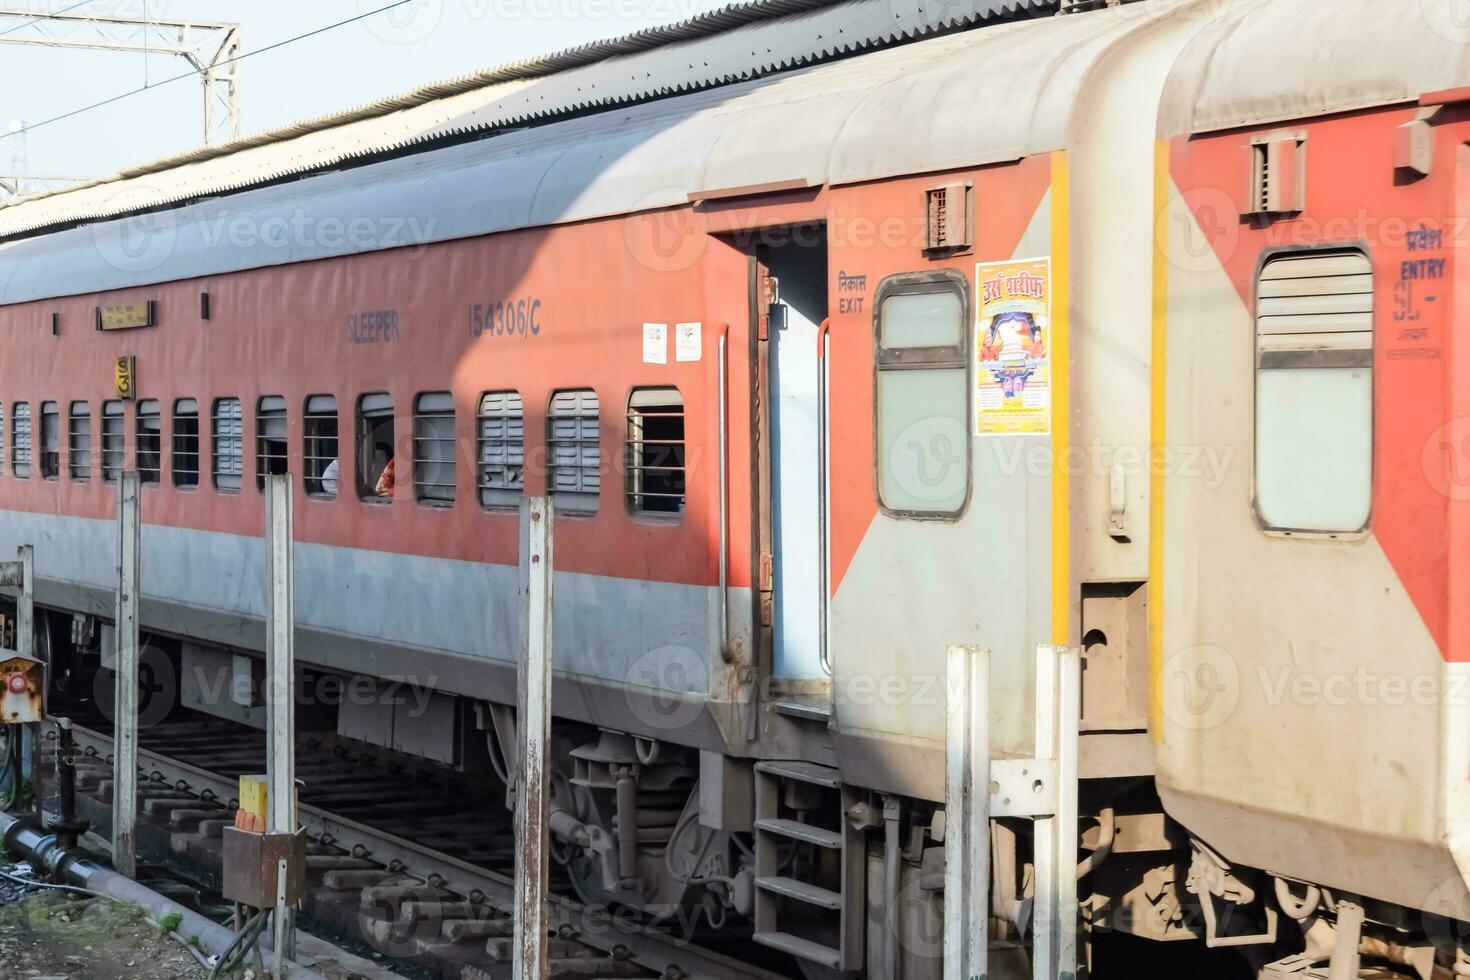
(375, 447)
(323, 468)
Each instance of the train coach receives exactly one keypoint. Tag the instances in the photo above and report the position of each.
(1125, 330)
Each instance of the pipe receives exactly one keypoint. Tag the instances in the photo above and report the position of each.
(627, 803)
(726, 654)
(891, 857)
(1294, 909)
(1107, 828)
(44, 852)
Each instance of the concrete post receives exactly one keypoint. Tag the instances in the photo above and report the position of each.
(280, 655)
(533, 712)
(125, 724)
(967, 815)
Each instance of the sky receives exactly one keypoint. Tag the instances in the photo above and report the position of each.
(416, 42)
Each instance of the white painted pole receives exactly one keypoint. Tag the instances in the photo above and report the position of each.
(280, 658)
(533, 712)
(967, 816)
(1069, 717)
(125, 666)
(1044, 905)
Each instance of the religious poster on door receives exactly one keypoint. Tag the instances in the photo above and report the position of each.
(1013, 345)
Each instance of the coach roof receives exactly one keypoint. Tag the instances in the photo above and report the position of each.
(963, 99)
(1265, 61)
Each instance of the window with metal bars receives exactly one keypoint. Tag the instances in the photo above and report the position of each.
(2, 439)
(574, 449)
(319, 447)
(114, 434)
(20, 448)
(270, 438)
(374, 437)
(186, 443)
(433, 448)
(655, 451)
(502, 458)
(79, 442)
(149, 446)
(50, 441)
(228, 444)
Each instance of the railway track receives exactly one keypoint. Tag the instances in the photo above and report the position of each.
(415, 860)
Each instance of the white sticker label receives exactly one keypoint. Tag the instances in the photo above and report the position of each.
(655, 343)
(688, 341)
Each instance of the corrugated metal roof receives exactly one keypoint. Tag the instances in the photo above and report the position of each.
(1252, 66)
(735, 43)
(965, 99)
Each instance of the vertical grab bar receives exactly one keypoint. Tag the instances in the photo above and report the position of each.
(823, 481)
(726, 654)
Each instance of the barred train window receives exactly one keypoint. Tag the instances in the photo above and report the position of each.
(50, 440)
(319, 447)
(2, 439)
(574, 466)
(150, 442)
(655, 462)
(374, 437)
(1314, 392)
(433, 448)
(79, 442)
(270, 438)
(113, 436)
(923, 395)
(228, 444)
(502, 432)
(20, 448)
(186, 443)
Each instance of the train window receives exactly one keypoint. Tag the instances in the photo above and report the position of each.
(20, 445)
(574, 466)
(186, 443)
(433, 448)
(319, 446)
(2, 439)
(228, 444)
(150, 442)
(113, 435)
(502, 428)
(270, 438)
(375, 464)
(79, 442)
(922, 431)
(50, 440)
(655, 461)
(1314, 392)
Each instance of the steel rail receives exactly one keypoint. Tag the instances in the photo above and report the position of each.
(604, 929)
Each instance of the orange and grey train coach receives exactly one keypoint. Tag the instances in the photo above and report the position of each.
(839, 334)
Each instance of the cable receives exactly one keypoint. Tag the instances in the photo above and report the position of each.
(54, 13)
(27, 882)
(194, 73)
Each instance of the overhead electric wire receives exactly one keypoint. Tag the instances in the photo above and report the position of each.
(194, 73)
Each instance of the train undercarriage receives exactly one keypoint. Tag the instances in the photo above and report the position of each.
(669, 841)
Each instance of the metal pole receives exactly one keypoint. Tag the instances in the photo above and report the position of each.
(125, 665)
(967, 816)
(25, 606)
(1069, 717)
(533, 710)
(280, 690)
(1044, 905)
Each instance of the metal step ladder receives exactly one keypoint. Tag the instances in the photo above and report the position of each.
(1043, 788)
(781, 898)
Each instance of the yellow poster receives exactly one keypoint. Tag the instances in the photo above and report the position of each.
(1013, 342)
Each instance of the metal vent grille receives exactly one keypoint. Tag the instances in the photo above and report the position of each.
(948, 221)
(229, 444)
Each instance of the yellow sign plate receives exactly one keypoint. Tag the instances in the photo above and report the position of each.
(125, 316)
(124, 373)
